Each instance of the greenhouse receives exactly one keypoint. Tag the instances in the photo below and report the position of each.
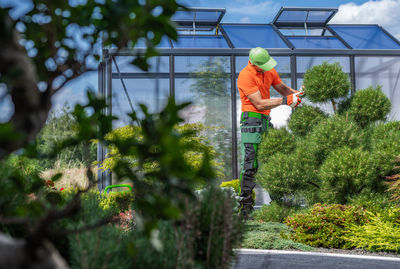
(203, 64)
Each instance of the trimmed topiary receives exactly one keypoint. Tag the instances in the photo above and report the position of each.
(277, 140)
(385, 146)
(333, 133)
(326, 82)
(369, 105)
(283, 175)
(345, 173)
(304, 118)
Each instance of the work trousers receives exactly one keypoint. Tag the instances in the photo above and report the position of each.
(252, 126)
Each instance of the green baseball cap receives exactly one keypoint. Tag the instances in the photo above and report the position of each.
(260, 57)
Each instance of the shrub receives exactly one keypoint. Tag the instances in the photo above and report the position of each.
(326, 82)
(371, 201)
(260, 235)
(369, 105)
(274, 212)
(393, 182)
(235, 184)
(277, 140)
(385, 146)
(304, 118)
(324, 225)
(380, 233)
(346, 172)
(333, 133)
(283, 175)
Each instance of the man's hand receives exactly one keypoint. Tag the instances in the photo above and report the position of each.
(301, 92)
(292, 100)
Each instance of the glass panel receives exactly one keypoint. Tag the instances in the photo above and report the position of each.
(384, 71)
(309, 32)
(314, 42)
(305, 63)
(292, 16)
(151, 92)
(251, 36)
(197, 16)
(157, 64)
(365, 37)
(318, 16)
(209, 90)
(200, 42)
(311, 16)
(193, 64)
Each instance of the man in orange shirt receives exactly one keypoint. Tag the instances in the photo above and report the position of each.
(254, 82)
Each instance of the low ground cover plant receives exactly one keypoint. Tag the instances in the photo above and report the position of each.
(270, 235)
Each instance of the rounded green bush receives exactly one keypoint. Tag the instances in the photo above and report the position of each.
(333, 133)
(304, 119)
(277, 140)
(385, 146)
(326, 82)
(345, 172)
(291, 175)
(284, 175)
(279, 176)
(369, 105)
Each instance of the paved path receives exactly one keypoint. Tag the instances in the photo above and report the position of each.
(278, 259)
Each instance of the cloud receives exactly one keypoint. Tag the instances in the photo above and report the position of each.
(383, 12)
(245, 19)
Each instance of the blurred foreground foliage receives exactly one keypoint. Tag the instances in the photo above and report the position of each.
(193, 141)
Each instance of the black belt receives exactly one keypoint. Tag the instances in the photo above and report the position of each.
(251, 130)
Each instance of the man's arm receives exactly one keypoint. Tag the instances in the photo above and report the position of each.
(264, 104)
(283, 89)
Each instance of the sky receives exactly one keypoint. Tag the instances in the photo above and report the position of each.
(386, 13)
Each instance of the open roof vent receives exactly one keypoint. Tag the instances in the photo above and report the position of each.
(301, 17)
(198, 19)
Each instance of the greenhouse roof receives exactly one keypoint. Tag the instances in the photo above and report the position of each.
(296, 30)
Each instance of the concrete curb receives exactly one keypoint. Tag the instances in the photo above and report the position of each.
(322, 254)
